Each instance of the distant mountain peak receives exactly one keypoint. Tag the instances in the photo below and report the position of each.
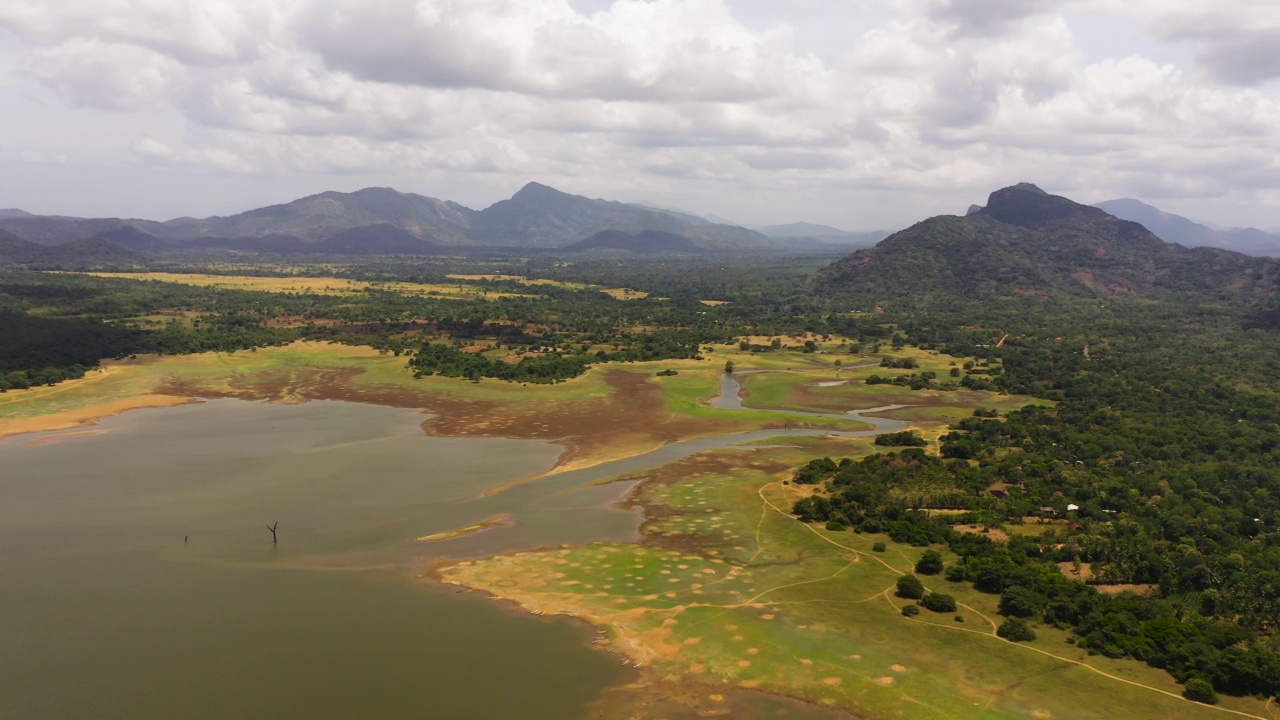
(1026, 205)
(1177, 229)
(1024, 242)
(538, 191)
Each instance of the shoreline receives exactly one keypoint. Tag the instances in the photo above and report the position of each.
(88, 416)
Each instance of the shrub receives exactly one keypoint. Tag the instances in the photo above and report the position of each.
(955, 573)
(905, 438)
(911, 610)
(1016, 630)
(1200, 690)
(939, 603)
(878, 547)
(930, 564)
(835, 525)
(910, 587)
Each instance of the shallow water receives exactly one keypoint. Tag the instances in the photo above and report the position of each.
(140, 581)
(105, 612)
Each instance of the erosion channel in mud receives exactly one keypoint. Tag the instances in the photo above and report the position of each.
(141, 581)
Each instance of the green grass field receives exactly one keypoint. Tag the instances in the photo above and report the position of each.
(727, 589)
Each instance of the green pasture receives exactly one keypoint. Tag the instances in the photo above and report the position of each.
(727, 588)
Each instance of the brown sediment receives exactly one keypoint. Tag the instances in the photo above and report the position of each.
(51, 438)
(650, 697)
(88, 414)
(499, 520)
(633, 418)
(695, 693)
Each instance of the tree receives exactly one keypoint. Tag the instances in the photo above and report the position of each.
(911, 610)
(910, 587)
(1200, 690)
(1016, 630)
(1019, 602)
(728, 366)
(930, 563)
(878, 546)
(938, 602)
(905, 438)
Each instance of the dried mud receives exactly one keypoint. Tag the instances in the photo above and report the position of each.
(633, 418)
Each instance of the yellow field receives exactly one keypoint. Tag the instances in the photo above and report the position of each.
(615, 293)
(311, 285)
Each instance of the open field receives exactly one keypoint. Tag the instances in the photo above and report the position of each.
(616, 293)
(728, 590)
(312, 285)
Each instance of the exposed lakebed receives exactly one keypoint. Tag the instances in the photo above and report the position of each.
(140, 580)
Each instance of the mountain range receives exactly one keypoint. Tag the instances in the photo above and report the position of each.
(382, 220)
(537, 218)
(78, 254)
(812, 235)
(1028, 242)
(1177, 229)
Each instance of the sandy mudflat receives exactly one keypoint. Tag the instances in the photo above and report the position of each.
(86, 415)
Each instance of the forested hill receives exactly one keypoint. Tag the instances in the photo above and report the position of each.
(1026, 242)
(537, 216)
(81, 254)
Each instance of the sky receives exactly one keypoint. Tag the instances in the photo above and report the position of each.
(862, 114)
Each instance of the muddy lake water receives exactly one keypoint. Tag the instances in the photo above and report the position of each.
(138, 579)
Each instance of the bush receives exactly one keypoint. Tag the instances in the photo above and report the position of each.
(911, 610)
(1199, 690)
(910, 587)
(1016, 630)
(835, 525)
(930, 564)
(905, 438)
(878, 547)
(939, 603)
(955, 573)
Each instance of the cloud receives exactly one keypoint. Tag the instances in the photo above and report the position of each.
(109, 75)
(635, 50)
(1237, 42)
(933, 102)
(988, 18)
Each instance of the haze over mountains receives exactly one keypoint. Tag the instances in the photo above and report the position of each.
(1028, 242)
(382, 220)
(537, 218)
(1177, 229)
(822, 235)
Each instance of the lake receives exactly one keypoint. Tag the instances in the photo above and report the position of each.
(140, 581)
